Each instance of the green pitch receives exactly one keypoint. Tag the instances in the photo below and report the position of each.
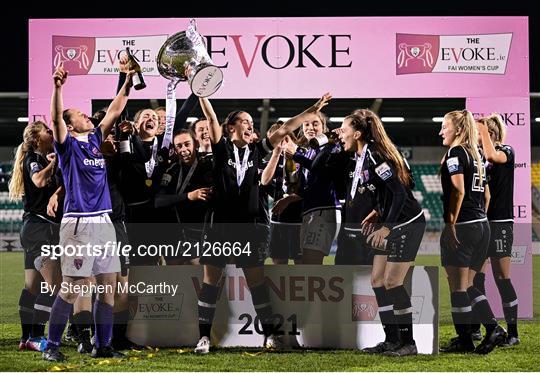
(524, 357)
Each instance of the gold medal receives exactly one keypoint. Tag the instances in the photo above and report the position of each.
(148, 183)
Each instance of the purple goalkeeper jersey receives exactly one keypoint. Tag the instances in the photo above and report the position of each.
(85, 175)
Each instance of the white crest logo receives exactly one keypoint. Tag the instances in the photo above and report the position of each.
(415, 52)
(77, 54)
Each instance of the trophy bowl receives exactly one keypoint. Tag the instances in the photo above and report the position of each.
(183, 57)
(175, 56)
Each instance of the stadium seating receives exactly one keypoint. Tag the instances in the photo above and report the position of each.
(5, 170)
(10, 214)
(428, 192)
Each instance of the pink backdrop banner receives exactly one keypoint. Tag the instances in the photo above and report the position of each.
(295, 57)
(481, 57)
(515, 112)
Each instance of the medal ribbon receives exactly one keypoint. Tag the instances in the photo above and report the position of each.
(358, 170)
(240, 168)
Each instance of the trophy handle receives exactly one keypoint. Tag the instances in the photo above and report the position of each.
(193, 24)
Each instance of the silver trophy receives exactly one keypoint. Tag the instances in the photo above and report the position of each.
(183, 57)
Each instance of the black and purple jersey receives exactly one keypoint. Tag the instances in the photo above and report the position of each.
(319, 191)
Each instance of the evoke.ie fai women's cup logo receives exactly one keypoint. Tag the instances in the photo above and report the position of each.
(480, 54)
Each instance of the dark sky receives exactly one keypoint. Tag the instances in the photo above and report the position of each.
(14, 24)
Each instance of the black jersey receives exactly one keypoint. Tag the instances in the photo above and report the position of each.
(136, 185)
(395, 200)
(133, 182)
(35, 199)
(264, 206)
(458, 161)
(359, 206)
(150, 160)
(114, 168)
(264, 192)
(500, 179)
(165, 155)
(179, 180)
(237, 180)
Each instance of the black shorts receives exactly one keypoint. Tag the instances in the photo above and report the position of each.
(501, 239)
(36, 232)
(352, 248)
(403, 242)
(122, 239)
(245, 236)
(285, 241)
(472, 249)
(191, 237)
(143, 229)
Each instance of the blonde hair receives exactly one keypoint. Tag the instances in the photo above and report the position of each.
(30, 143)
(467, 134)
(274, 127)
(496, 127)
(302, 140)
(373, 133)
